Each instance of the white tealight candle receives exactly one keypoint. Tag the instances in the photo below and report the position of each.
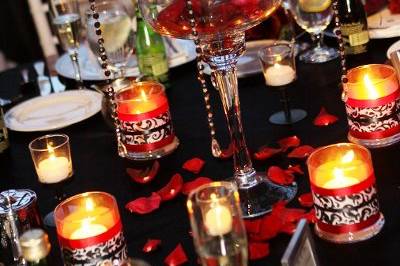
(88, 230)
(218, 220)
(279, 75)
(53, 169)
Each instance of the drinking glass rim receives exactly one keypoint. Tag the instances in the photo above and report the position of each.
(226, 184)
(138, 84)
(262, 51)
(49, 136)
(102, 3)
(383, 79)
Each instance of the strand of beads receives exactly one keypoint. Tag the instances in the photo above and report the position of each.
(339, 36)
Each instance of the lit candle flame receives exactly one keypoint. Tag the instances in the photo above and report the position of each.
(348, 157)
(50, 150)
(89, 204)
(372, 93)
(143, 94)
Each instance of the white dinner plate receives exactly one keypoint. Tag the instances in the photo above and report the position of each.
(53, 111)
(392, 48)
(183, 51)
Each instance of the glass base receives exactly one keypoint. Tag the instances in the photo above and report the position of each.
(279, 118)
(361, 235)
(49, 220)
(258, 199)
(319, 55)
(151, 155)
(375, 143)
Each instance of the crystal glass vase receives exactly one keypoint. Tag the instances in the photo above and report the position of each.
(219, 27)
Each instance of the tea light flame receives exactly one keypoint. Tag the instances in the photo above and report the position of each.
(89, 204)
(372, 93)
(348, 157)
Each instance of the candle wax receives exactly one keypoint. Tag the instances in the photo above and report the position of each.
(279, 75)
(53, 169)
(218, 220)
(88, 230)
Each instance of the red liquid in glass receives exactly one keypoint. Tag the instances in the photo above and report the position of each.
(213, 18)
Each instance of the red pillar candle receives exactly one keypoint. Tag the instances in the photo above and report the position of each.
(372, 99)
(345, 197)
(146, 125)
(89, 230)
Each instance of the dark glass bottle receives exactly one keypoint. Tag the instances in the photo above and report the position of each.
(150, 51)
(4, 144)
(35, 248)
(354, 26)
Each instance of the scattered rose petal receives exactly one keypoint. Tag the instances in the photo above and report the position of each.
(295, 169)
(252, 226)
(266, 152)
(258, 250)
(269, 228)
(193, 165)
(227, 153)
(289, 228)
(289, 142)
(324, 118)
(176, 257)
(280, 176)
(189, 186)
(310, 216)
(145, 175)
(306, 200)
(144, 205)
(301, 152)
(151, 245)
(172, 189)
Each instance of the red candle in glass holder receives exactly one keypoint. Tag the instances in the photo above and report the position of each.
(345, 197)
(372, 99)
(146, 125)
(89, 230)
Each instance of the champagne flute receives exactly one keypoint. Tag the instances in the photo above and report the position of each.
(67, 21)
(314, 17)
(117, 31)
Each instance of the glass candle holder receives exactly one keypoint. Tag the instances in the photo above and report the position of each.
(89, 230)
(372, 99)
(147, 131)
(279, 69)
(344, 192)
(218, 230)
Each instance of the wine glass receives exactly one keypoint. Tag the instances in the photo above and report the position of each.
(117, 31)
(51, 156)
(314, 17)
(67, 22)
(220, 27)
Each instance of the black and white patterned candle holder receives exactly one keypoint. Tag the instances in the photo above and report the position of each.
(372, 105)
(344, 192)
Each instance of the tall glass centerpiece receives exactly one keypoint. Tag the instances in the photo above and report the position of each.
(219, 26)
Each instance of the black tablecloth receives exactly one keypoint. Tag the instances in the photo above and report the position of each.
(98, 167)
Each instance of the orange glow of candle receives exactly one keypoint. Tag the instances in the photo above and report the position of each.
(370, 88)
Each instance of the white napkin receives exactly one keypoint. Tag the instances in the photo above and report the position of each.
(384, 25)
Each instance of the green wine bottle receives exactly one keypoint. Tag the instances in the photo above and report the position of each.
(35, 247)
(150, 50)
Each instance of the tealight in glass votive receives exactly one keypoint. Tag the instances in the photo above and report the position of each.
(51, 156)
(279, 69)
(146, 125)
(371, 96)
(344, 192)
(89, 230)
(218, 230)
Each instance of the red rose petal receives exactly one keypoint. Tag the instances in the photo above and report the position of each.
(301, 152)
(280, 176)
(151, 245)
(172, 189)
(176, 257)
(193, 165)
(289, 228)
(289, 142)
(310, 216)
(144, 205)
(258, 250)
(324, 118)
(252, 226)
(306, 200)
(189, 186)
(227, 153)
(266, 152)
(295, 169)
(145, 175)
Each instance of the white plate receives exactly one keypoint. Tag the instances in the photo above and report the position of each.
(392, 48)
(54, 111)
(384, 24)
(248, 64)
(91, 70)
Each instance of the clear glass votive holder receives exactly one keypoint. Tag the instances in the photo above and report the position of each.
(344, 192)
(146, 127)
(218, 230)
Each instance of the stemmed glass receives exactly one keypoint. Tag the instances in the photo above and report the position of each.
(314, 17)
(117, 31)
(67, 21)
(220, 27)
(51, 156)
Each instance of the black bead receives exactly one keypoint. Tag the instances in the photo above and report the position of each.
(100, 41)
(98, 32)
(92, 7)
(345, 80)
(198, 50)
(197, 42)
(92, 1)
(104, 57)
(107, 73)
(104, 65)
(96, 15)
(97, 24)
(101, 49)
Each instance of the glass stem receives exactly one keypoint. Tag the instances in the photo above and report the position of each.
(286, 105)
(317, 39)
(222, 55)
(77, 70)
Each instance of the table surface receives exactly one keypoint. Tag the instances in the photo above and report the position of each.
(98, 167)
